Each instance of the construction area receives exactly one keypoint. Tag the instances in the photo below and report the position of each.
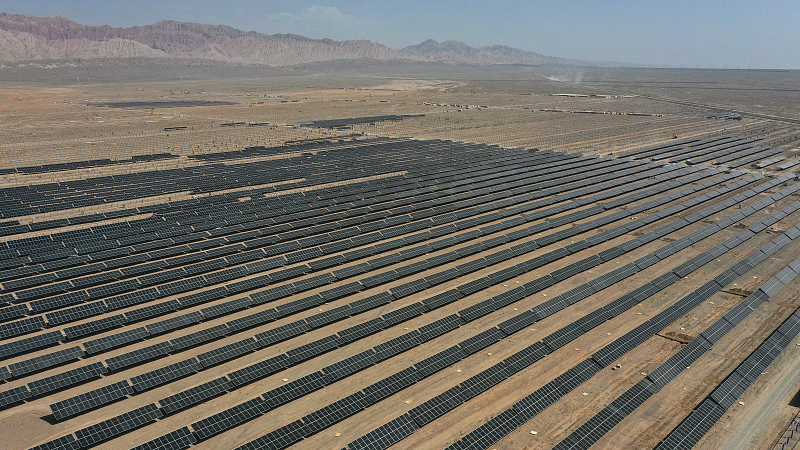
(410, 264)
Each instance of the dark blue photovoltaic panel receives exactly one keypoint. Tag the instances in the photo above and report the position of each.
(295, 389)
(13, 395)
(179, 439)
(259, 370)
(392, 384)
(193, 396)
(42, 362)
(386, 435)
(117, 425)
(229, 418)
(63, 443)
(70, 377)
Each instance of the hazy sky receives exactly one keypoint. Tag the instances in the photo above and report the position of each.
(700, 33)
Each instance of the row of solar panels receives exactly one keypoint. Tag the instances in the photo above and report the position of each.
(706, 415)
(536, 402)
(769, 162)
(725, 395)
(647, 153)
(471, 285)
(71, 272)
(709, 156)
(118, 230)
(319, 146)
(789, 164)
(201, 179)
(661, 147)
(755, 158)
(717, 150)
(551, 392)
(464, 224)
(338, 123)
(316, 321)
(397, 383)
(277, 217)
(161, 175)
(37, 291)
(44, 168)
(699, 150)
(378, 437)
(741, 155)
(114, 229)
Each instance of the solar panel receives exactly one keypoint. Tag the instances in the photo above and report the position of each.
(440, 327)
(313, 349)
(436, 407)
(370, 302)
(63, 443)
(575, 376)
(386, 435)
(59, 301)
(177, 440)
(165, 374)
(481, 340)
(259, 370)
(340, 291)
(199, 337)
(29, 344)
(316, 281)
(136, 356)
(694, 427)
(14, 395)
(403, 314)
(361, 330)
(295, 389)
(282, 333)
(518, 322)
(86, 401)
(174, 322)
(94, 326)
(115, 340)
(226, 307)
(392, 384)
(397, 345)
(477, 310)
(226, 352)
(328, 317)
(117, 425)
(19, 327)
(131, 298)
(68, 378)
(409, 288)
(493, 430)
(483, 380)
(333, 413)
(439, 361)
(381, 278)
(195, 395)
(203, 296)
(42, 362)
(299, 305)
(280, 438)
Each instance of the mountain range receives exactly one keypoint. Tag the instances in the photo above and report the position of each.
(29, 38)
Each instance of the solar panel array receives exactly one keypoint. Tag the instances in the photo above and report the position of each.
(351, 263)
(689, 433)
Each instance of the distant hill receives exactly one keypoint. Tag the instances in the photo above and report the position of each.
(459, 52)
(30, 38)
